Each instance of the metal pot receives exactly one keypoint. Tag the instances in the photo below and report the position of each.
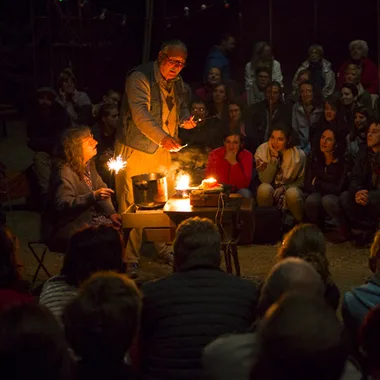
(150, 190)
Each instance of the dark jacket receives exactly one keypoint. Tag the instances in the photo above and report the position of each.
(72, 206)
(141, 109)
(331, 179)
(44, 129)
(184, 312)
(257, 123)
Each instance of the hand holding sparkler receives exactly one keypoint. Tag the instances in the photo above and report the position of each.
(116, 164)
(189, 123)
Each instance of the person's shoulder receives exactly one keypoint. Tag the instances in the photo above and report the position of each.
(246, 153)
(151, 287)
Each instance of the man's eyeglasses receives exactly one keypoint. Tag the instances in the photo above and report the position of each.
(174, 62)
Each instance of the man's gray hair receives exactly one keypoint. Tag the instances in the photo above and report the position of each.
(361, 43)
(173, 44)
(291, 274)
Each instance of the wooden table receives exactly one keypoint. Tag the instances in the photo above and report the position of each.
(160, 225)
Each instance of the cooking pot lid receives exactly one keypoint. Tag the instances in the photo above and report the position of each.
(148, 177)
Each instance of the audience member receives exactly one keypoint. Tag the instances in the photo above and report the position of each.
(185, 311)
(326, 177)
(232, 164)
(359, 56)
(359, 301)
(321, 75)
(218, 107)
(214, 78)
(232, 356)
(281, 168)
(235, 113)
(76, 103)
(218, 57)
(307, 242)
(307, 112)
(101, 324)
(104, 133)
(352, 75)
(44, 126)
(79, 197)
(96, 248)
(369, 342)
(362, 202)
(262, 79)
(32, 345)
(261, 116)
(110, 97)
(312, 347)
(301, 76)
(13, 290)
(262, 56)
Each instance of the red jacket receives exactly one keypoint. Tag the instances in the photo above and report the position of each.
(369, 78)
(238, 175)
(10, 297)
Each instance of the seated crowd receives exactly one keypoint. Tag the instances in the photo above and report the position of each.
(91, 320)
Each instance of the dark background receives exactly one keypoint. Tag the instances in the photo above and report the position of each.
(38, 38)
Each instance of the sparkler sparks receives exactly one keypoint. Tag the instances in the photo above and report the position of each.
(116, 164)
(183, 182)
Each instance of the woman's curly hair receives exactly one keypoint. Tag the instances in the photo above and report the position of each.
(71, 150)
(307, 242)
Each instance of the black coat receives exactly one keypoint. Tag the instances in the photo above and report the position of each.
(331, 179)
(184, 312)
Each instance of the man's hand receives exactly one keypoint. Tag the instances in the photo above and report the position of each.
(171, 144)
(103, 193)
(231, 157)
(260, 165)
(361, 197)
(278, 193)
(189, 123)
(116, 220)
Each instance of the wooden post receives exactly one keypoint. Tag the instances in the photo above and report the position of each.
(148, 30)
(315, 20)
(270, 23)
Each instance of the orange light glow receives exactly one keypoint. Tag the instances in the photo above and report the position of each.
(183, 182)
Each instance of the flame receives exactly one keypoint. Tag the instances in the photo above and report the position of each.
(116, 164)
(183, 182)
(210, 180)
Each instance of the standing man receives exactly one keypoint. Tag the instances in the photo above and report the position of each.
(152, 108)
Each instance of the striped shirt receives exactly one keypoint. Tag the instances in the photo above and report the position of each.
(56, 294)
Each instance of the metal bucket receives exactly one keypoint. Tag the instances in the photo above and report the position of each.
(150, 190)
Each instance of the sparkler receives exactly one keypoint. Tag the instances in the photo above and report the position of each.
(183, 182)
(116, 164)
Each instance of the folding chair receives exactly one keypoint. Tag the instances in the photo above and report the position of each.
(40, 259)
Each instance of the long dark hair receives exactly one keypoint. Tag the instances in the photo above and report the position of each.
(340, 144)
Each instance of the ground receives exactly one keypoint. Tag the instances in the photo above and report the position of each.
(348, 264)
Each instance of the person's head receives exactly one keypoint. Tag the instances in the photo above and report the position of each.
(93, 249)
(219, 94)
(369, 337)
(307, 242)
(362, 118)
(349, 94)
(291, 274)
(352, 74)
(8, 267)
(373, 137)
(315, 53)
(332, 142)
(358, 49)
(331, 108)
(109, 115)
(67, 82)
(78, 146)
(281, 137)
(306, 92)
(374, 255)
(32, 344)
(227, 43)
(199, 110)
(300, 338)
(262, 51)
(273, 93)
(46, 97)
(214, 76)
(197, 240)
(235, 110)
(303, 75)
(112, 97)
(101, 323)
(263, 77)
(233, 142)
(172, 58)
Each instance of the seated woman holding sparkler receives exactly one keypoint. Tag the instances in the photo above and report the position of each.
(281, 168)
(231, 164)
(78, 196)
